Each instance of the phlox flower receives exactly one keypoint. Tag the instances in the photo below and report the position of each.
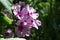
(27, 18)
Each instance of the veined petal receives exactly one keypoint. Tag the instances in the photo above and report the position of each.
(34, 16)
(30, 9)
(35, 25)
(38, 22)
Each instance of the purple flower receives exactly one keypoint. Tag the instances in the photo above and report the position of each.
(25, 10)
(8, 33)
(27, 18)
(22, 29)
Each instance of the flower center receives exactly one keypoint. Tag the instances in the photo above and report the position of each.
(19, 13)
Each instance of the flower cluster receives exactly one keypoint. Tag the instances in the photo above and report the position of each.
(8, 33)
(27, 18)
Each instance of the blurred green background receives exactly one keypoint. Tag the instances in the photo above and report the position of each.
(49, 11)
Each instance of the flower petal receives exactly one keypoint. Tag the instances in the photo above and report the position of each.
(24, 11)
(30, 9)
(34, 16)
(35, 25)
(38, 22)
(15, 12)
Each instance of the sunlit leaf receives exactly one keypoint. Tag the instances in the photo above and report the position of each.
(4, 18)
(12, 39)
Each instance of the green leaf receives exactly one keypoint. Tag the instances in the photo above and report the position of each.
(6, 4)
(4, 19)
(12, 39)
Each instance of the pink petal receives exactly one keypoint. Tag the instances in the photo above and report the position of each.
(38, 22)
(24, 11)
(30, 9)
(15, 12)
(34, 16)
(35, 25)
